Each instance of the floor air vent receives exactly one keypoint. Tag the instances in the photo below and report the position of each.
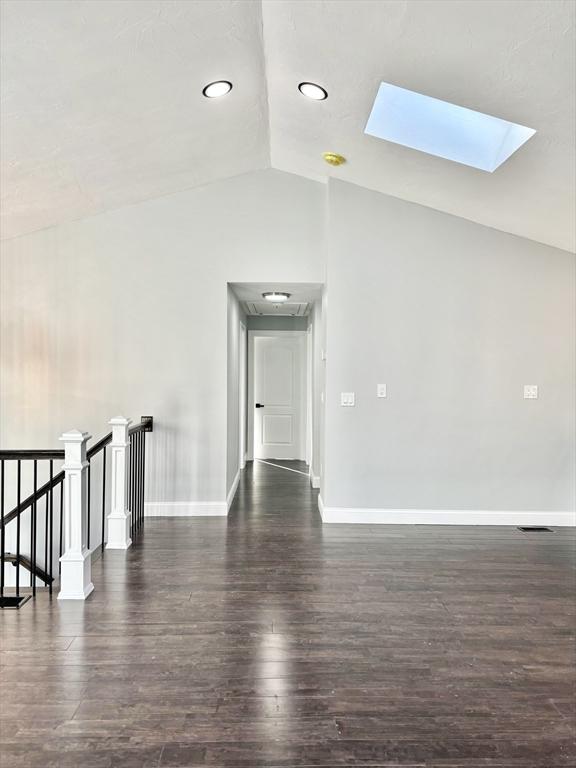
(535, 529)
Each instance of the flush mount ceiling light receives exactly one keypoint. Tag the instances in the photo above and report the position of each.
(313, 91)
(332, 158)
(444, 129)
(276, 297)
(216, 89)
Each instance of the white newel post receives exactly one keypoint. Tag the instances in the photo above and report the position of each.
(119, 518)
(76, 565)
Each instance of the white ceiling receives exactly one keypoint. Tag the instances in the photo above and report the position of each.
(509, 58)
(102, 104)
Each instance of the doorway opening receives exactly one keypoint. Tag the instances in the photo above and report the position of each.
(275, 377)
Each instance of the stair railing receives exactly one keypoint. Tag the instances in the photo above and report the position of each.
(54, 521)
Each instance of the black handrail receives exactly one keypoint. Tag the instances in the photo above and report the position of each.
(16, 454)
(48, 454)
(98, 446)
(146, 425)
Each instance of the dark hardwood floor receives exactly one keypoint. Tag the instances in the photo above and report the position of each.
(266, 639)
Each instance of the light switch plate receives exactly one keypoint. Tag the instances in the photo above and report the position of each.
(347, 399)
(530, 391)
(381, 390)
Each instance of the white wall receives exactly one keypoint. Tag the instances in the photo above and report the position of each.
(235, 316)
(125, 313)
(455, 318)
(318, 364)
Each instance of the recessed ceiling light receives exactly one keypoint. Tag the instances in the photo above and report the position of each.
(277, 297)
(313, 91)
(218, 88)
(444, 129)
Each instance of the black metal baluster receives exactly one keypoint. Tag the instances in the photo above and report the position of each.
(61, 525)
(143, 475)
(88, 515)
(135, 512)
(139, 480)
(129, 486)
(137, 504)
(18, 484)
(33, 527)
(129, 483)
(132, 482)
(46, 535)
(32, 580)
(51, 524)
(103, 494)
(2, 541)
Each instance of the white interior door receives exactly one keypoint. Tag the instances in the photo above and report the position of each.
(279, 395)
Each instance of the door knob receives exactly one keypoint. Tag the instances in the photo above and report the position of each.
(259, 405)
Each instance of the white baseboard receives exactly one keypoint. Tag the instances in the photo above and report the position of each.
(315, 481)
(357, 515)
(185, 509)
(232, 491)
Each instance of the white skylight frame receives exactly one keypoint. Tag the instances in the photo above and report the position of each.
(443, 129)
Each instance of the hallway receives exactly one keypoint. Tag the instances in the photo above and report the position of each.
(266, 639)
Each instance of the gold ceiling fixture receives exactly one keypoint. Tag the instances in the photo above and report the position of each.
(333, 159)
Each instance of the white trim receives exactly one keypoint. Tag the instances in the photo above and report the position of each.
(185, 509)
(357, 515)
(309, 396)
(315, 481)
(232, 491)
(119, 519)
(242, 394)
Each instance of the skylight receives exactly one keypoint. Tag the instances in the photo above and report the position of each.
(443, 129)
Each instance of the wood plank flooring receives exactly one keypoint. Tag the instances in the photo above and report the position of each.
(266, 639)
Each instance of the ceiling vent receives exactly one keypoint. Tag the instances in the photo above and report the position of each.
(286, 309)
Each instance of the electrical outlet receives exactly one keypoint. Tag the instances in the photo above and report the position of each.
(347, 399)
(530, 391)
(381, 390)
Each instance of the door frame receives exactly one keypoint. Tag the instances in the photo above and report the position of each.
(242, 394)
(309, 396)
(251, 401)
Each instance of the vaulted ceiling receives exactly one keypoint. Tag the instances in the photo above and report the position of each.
(102, 105)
